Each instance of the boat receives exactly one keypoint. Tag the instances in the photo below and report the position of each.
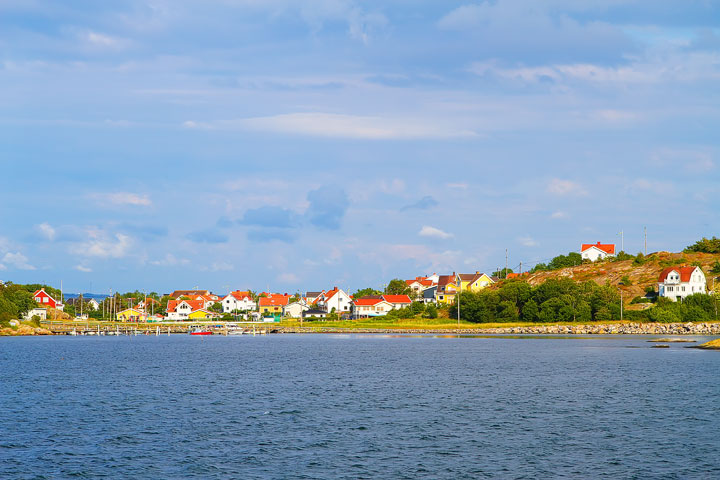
(200, 331)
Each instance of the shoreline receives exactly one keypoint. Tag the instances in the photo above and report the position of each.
(633, 328)
(630, 328)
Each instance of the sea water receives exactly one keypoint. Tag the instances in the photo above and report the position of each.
(357, 406)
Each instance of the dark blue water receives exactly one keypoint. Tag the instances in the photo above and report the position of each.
(331, 407)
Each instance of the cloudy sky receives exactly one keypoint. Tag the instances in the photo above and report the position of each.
(293, 145)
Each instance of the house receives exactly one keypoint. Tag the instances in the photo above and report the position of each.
(194, 293)
(39, 312)
(472, 282)
(46, 300)
(597, 251)
(202, 314)
(87, 303)
(273, 305)
(315, 313)
(181, 309)
(312, 296)
(446, 289)
(238, 300)
(92, 303)
(335, 299)
(397, 301)
(371, 306)
(428, 295)
(130, 315)
(296, 309)
(147, 303)
(376, 305)
(676, 283)
(419, 284)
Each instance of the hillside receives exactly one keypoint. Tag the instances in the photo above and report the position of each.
(641, 276)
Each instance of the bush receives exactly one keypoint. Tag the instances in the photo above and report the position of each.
(625, 280)
(715, 269)
(639, 259)
(431, 311)
(640, 300)
(705, 245)
(623, 256)
(663, 315)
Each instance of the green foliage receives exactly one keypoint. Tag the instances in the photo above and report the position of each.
(364, 292)
(216, 307)
(557, 300)
(621, 255)
(640, 259)
(705, 245)
(671, 262)
(431, 311)
(640, 300)
(625, 280)
(715, 269)
(397, 287)
(572, 259)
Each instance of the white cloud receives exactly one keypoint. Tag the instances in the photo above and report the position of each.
(558, 186)
(462, 18)
(428, 231)
(2, 267)
(83, 268)
(459, 186)
(103, 246)
(288, 278)
(17, 260)
(46, 231)
(348, 126)
(528, 241)
(558, 215)
(218, 267)
(170, 260)
(102, 40)
(123, 198)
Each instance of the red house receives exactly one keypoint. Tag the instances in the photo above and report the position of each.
(46, 300)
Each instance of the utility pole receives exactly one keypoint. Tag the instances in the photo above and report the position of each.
(622, 241)
(521, 268)
(458, 301)
(506, 263)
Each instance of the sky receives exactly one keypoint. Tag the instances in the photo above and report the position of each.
(300, 145)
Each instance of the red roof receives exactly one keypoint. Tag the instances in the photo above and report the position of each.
(368, 301)
(685, 273)
(273, 301)
(421, 280)
(397, 298)
(239, 295)
(194, 304)
(608, 248)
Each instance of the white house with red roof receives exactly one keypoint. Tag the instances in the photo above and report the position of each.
(597, 251)
(376, 305)
(419, 284)
(676, 283)
(46, 300)
(181, 309)
(335, 299)
(238, 300)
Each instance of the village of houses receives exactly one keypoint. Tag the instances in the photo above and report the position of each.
(202, 305)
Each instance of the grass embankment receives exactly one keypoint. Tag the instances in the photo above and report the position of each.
(711, 345)
(415, 324)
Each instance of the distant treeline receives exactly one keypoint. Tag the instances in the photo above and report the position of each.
(706, 245)
(565, 300)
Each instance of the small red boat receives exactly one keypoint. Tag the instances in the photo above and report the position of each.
(198, 331)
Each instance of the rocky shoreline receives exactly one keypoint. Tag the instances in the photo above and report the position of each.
(599, 329)
(23, 331)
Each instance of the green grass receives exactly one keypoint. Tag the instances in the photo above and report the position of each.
(382, 323)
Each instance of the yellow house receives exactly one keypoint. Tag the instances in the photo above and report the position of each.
(446, 289)
(201, 314)
(130, 315)
(472, 282)
(273, 304)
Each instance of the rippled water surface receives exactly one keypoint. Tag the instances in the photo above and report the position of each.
(333, 406)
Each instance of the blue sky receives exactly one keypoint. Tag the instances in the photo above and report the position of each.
(302, 145)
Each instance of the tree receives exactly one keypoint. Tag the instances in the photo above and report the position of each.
(705, 245)
(715, 269)
(397, 287)
(530, 311)
(364, 292)
(216, 307)
(431, 311)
